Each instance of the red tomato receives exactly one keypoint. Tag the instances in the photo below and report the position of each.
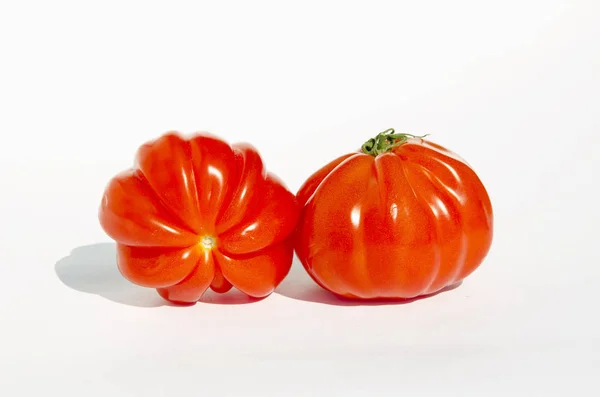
(196, 213)
(402, 218)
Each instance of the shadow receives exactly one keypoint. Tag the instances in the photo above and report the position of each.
(298, 285)
(92, 269)
(232, 297)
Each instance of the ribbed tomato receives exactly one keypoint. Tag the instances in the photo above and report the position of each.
(195, 212)
(401, 218)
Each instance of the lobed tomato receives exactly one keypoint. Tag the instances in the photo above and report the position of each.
(402, 218)
(195, 212)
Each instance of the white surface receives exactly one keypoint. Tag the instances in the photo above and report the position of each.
(511, 86)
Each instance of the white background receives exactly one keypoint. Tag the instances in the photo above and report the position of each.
(512, 86)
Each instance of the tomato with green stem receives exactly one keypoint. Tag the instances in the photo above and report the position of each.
(195, 213)
(401, 218)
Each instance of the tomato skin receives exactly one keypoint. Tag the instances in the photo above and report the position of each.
(195, 212)
(397, 225)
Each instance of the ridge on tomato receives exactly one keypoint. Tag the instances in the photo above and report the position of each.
(401, 218)
(195, 213)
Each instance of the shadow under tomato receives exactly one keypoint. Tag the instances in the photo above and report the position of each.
(298, 285)
(92, 269)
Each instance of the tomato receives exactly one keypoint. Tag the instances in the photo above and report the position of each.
(195, 212)
(401, 218)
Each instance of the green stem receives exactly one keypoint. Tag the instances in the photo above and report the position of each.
(385, 141)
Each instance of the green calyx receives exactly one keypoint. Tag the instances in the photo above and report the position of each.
(385, 141)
